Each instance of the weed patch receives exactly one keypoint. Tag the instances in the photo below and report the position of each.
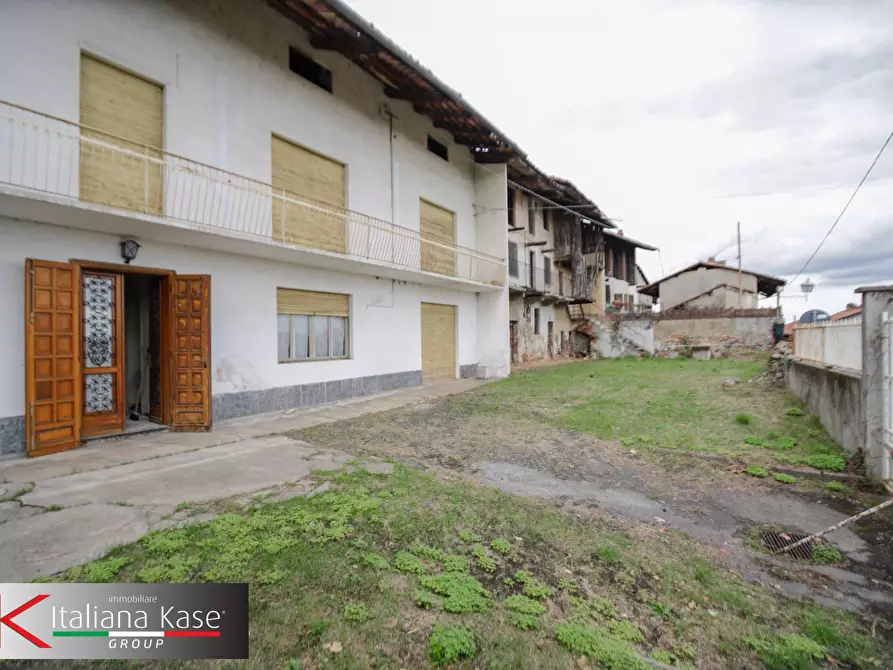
(826, 554)
(757, 471)
(785, 478)
(449, 645)
(462, 592)
(826, 462)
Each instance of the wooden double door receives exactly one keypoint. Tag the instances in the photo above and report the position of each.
(74, 352)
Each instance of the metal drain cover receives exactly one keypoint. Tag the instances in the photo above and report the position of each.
(775, 541)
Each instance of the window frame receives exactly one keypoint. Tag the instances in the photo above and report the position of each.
(311, 337)
(531, 216)
(513, 260)
(438, 148)
(536, 320)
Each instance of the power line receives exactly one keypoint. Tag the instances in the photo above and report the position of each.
(843, 211)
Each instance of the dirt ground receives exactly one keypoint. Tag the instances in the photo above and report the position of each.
(711, 500)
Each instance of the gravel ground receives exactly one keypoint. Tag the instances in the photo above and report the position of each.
(711, 501)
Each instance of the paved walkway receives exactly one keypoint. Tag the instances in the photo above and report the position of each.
(64, 509)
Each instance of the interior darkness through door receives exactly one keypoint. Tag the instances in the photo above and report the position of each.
(142, 349)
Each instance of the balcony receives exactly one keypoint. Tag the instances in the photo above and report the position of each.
(534, 281)
(51, 168)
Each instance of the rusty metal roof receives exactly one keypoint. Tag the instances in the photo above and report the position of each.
(334, 26)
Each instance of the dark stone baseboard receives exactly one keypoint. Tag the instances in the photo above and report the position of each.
(468, 371)
(12, 435)
(246, 403)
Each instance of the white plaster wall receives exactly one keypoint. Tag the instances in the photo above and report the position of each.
(494, 352)
(385, 314)
(688, 285)
(227, 87)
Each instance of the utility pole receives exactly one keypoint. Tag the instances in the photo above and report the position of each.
(740, 299)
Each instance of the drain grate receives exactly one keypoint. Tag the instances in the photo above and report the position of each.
(775, 541)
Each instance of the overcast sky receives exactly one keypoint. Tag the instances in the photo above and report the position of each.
(681, 117)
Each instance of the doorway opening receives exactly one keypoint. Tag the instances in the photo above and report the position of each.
(113, 349)
(142, 352)
(122, 344)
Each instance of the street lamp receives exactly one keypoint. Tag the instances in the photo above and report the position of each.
(807, 287)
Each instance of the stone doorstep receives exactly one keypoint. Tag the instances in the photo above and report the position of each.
(807, 473)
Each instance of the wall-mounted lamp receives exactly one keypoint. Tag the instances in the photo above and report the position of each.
(129, 249)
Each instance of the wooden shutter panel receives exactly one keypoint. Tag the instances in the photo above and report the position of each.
(295, 301)
(52, 368)
(437, 224)
(128, 111)
(305, 174)
(190, 303)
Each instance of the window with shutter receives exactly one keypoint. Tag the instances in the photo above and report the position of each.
(312, 325)
(309, 198)
(123, 110)
(438, 231)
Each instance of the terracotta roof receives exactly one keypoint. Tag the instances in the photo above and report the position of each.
(766, 284)
(333, 26)
(846, 313)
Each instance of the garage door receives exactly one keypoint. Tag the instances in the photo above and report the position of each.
(438, 341)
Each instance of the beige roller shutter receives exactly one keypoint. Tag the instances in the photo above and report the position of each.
(128, 110)
(437, 224)
(438, 341)
(295, 301)
(305, 174)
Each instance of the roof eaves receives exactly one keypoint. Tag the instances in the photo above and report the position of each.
(333, 25)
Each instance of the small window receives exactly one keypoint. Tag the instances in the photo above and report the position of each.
(308, 68)
(536, 320)
(531, 216)
(545, 218)
(311, 325)
(438, 148)
(511, 208)
(547, 271)
(513, 259)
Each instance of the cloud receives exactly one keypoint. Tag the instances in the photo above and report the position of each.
(684, 117)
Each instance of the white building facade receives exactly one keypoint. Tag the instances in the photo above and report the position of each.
(303, 237)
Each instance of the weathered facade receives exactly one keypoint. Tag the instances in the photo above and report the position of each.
(712, 284)
(619, 277)
(551, 257)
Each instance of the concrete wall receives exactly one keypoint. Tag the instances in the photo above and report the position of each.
(494, 355)
(532, 346)
(227, 88)
(723, 297)
(753, 332)
(832, 394)
(688, 285)
(876, 301)
(385, 327)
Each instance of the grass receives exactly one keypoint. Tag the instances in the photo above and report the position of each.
(391, 581)
(667, 403)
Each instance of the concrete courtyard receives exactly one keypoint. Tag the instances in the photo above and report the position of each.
(61, 510)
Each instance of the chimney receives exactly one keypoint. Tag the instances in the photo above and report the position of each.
(711, 259)
(620, 232)
(851, 305)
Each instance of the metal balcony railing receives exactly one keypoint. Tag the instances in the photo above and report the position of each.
(45, 154)
(535, 279)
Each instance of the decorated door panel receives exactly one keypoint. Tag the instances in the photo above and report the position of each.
(52, 371)
(102, 353)
(190, 300)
